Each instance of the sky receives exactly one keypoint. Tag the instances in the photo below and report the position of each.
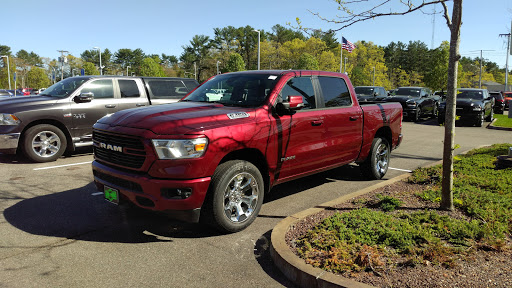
(165, 26)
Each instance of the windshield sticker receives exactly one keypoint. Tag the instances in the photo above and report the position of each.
(238, 115)
(272, 77)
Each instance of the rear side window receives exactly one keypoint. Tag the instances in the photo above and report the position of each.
(300, 86)
(128, 89)
(167, 89)
(335, 92)
(100, 89)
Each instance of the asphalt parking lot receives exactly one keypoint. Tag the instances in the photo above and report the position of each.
(57, 231)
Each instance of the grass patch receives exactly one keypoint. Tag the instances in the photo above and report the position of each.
(386, 235)
(502, 120)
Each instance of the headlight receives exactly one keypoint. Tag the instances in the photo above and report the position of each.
(180, 149)
(410, 102)
(9, 119)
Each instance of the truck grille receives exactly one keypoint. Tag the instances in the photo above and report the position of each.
(119, 150)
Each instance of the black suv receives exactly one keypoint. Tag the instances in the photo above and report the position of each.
(499, 101)
(370, 93)
(416, 102)
(473, 106)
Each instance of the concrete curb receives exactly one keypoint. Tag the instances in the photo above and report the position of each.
(293, 267)
(491, 126)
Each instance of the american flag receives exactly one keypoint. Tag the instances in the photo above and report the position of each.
(347, 45)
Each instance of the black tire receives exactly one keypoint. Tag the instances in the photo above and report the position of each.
(435, 112)
(491, 115)
(43, 143)
(377, 163)
(235, 196)
(416, 116)
(479, 122)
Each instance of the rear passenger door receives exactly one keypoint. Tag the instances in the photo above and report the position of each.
(131, 94)
(342, 121)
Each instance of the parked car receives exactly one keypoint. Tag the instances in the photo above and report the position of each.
(60, 119)
(507, 96)
(213, 160)
(473, 106)
(370, 93)
(5, 94)
(499, 101)
(416, 102)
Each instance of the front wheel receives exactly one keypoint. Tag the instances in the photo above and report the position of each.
(491, 115)
(377, 163)
(480, 120)
(237, 195)
(43, 143)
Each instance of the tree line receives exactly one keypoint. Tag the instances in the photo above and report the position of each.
(236, 49)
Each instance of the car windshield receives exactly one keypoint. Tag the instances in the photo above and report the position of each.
(364, 90)
(408, 92)
(470, 94)
(243, 90)
(64, 88)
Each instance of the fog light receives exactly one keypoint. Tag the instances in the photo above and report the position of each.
(176, 193)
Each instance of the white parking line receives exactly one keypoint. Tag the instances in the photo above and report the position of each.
(60, 166)
(97, 194)
(408, 171)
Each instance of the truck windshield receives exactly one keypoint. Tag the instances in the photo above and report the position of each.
(64, 88)
(468, 94)
(245, 90)
(364, 91)
(408, 92)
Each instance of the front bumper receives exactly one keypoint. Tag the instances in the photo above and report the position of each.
(150, 193)
(9, 142)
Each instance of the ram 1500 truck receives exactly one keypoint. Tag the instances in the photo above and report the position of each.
(212, 156)
(60, 119)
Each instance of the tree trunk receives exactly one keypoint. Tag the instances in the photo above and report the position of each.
(451, 100)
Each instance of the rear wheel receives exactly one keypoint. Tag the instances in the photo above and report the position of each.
(377, 163)
(43, 143)
(236, 196)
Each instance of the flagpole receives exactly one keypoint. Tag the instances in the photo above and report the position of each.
(341, 52)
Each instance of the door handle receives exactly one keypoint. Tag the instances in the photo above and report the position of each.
(353, 118)
(317, 122)
(140, 104)
(110, 105)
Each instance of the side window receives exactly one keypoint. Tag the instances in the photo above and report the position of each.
(383, 92)
(335, 92)
(300, 86)
(128, 88)
(167, 89)
(100, 88)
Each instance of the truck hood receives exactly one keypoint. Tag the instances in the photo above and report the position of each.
(180, 118)
(400, 98)
(25, 103)
(468, 102)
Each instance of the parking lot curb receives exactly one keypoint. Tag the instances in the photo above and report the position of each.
(491, 126)
(295, 268)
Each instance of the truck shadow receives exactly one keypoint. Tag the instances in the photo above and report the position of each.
(76, 214)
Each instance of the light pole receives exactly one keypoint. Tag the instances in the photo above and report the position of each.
(8, 70)
(101, 67)
(259, 35)
(127, 69)
(373, 75)
(218, 62)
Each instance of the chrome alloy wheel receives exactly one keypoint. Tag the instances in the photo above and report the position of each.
(241, 197)
(382, 158)
(46, 144)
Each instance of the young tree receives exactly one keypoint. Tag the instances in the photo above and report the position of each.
(454, 23)
(37, 78)
(307, 62)
(235, 63)
(151, 68)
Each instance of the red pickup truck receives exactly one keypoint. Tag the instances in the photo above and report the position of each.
(212, 156)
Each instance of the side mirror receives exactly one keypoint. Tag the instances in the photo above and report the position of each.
(84, 97)
(287, 108)
(375, 94)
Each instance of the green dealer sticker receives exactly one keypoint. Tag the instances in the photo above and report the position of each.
(111, 194)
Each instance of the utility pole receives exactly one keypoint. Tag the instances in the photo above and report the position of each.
(508, 52)
(62, 60)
